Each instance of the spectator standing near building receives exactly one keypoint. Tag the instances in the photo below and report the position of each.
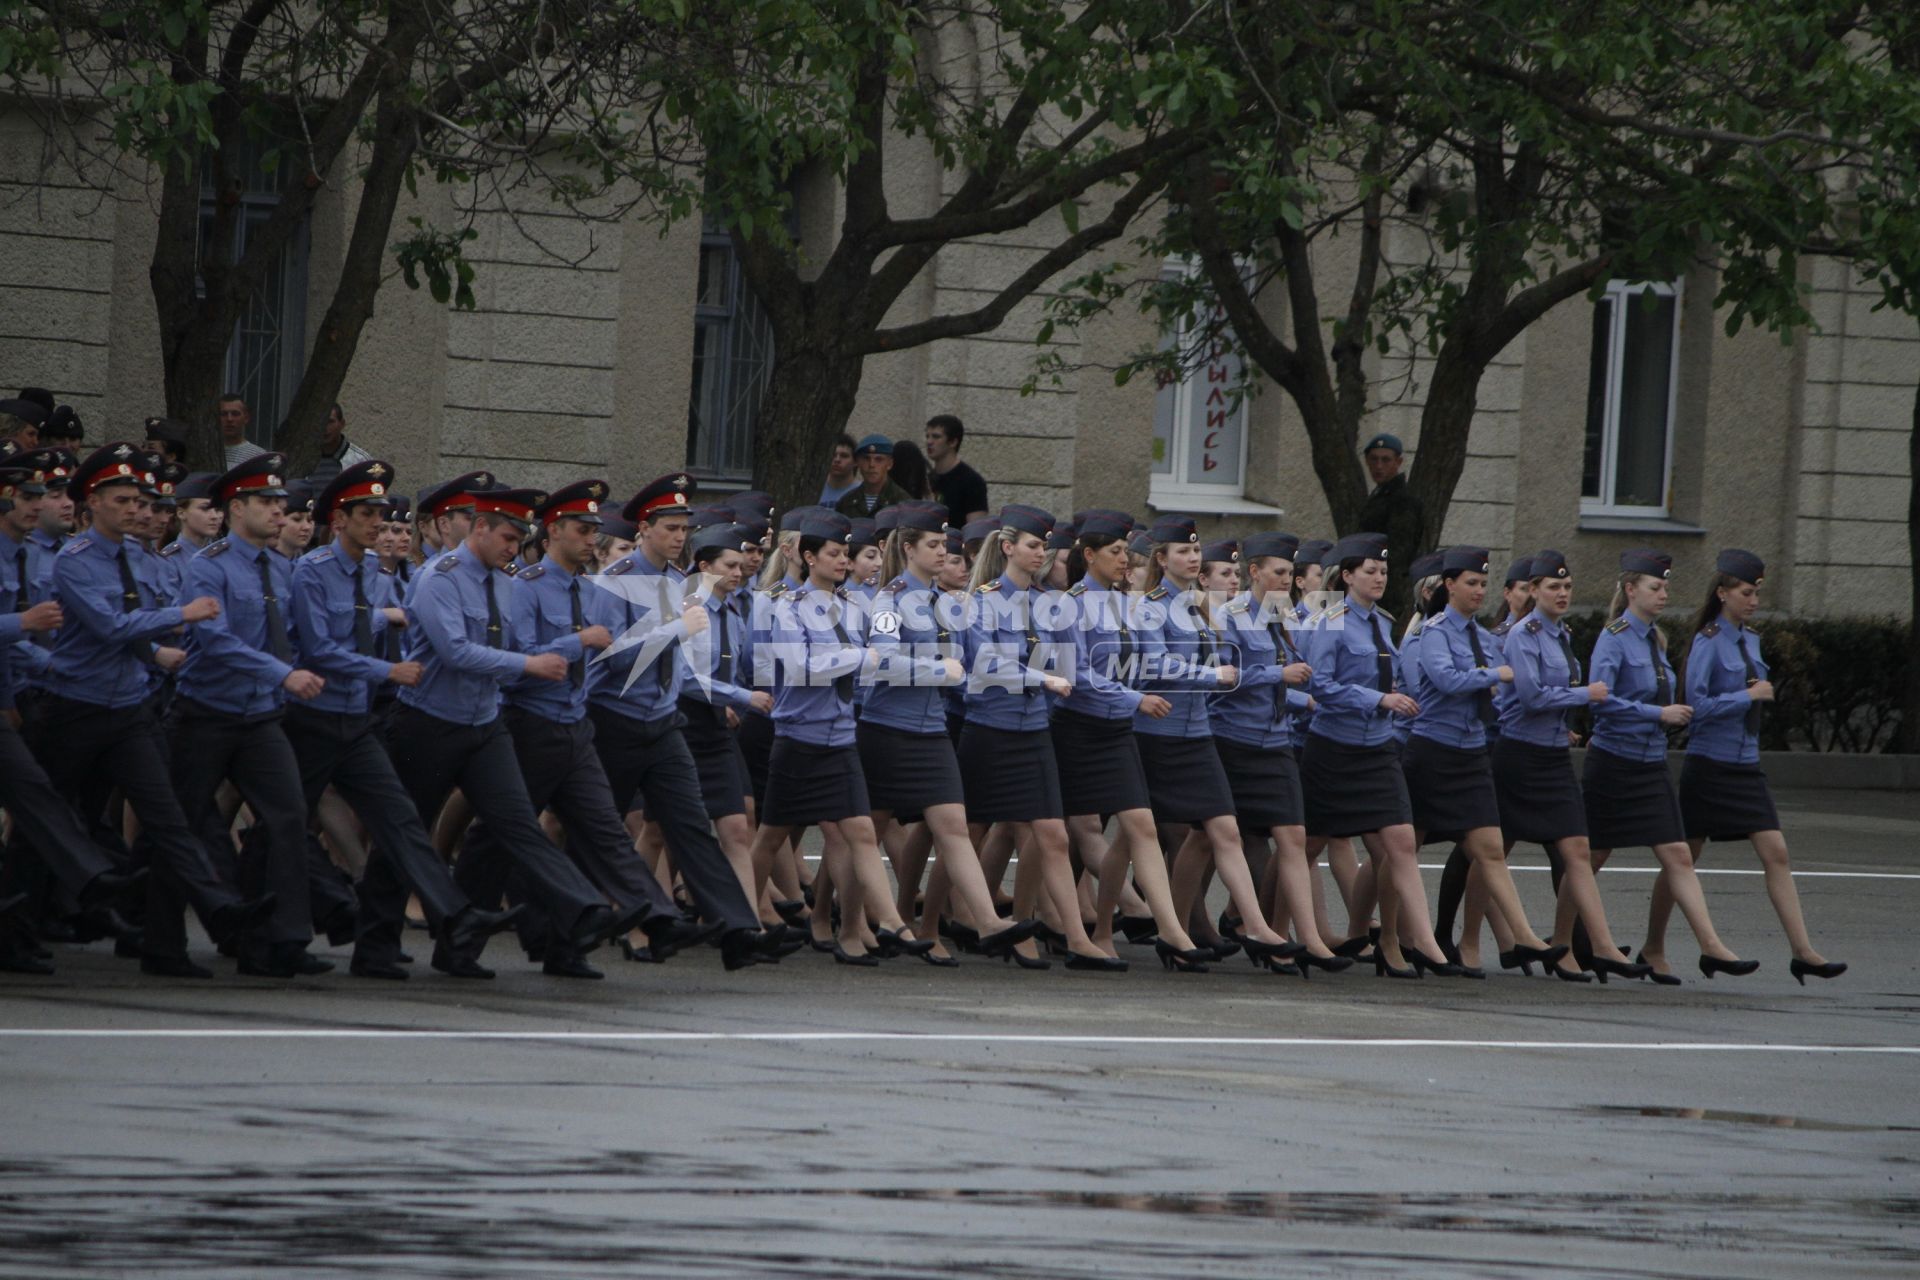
(337, 453)
(1393, 510)
(235, 418)
(959, 486)
(842, 479)
(876, 491)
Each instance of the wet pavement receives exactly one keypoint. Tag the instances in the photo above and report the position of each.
(810, 1120)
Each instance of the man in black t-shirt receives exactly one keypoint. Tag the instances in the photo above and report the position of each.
(959, 486)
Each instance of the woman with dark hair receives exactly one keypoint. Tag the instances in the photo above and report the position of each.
(910, 469)
(1007, 763)
(813, 775)
(1253, 723)
(1351, 766)
(1629, 796)
(1723, 793)
(905, 754)
(1540, 799)
(1448, 774)
(1094, 740)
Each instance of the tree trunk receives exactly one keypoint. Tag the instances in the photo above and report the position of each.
(810, 396)
(1910, 707)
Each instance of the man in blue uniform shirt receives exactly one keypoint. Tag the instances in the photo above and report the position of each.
(94, 721)
(232, 693)
(341, 626)
(448, 732)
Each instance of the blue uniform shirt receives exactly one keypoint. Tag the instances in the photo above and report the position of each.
(1007, 649)
(104, 652)
(1455, 684)
(911, 629)
(23, 656)
(1545, 688)
(814, 703)
(1627, 723)
(716, 666)
(1723, 660)
(543, 599)
(323, 619)
(1106, 652)
(645, 631)
(230, 665)
(1345, 684)
(1258, 711)
(1180, 651)
(462, 672)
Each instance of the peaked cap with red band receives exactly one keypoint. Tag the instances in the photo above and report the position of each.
(515, 504)
(453, 495)
(115, 463)
(263, 476)
(670, 493)
(580, 501)
(369, 481)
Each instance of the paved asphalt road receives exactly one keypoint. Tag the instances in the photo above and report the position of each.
(811, 1120)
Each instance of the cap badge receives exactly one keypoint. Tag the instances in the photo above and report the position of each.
(376, 490)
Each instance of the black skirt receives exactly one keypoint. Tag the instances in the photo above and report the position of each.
(1724, 801)
(1540, 799)
(756, 747)
(1451, 788)
(1352, 790)
(1185, 781)
(1630, 805)
(1265, 782)
(1008, 775)
(1099, 762)
(808, 784)
(717, 759)
(908, 773)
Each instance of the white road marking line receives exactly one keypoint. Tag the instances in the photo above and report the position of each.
(965, 1037)
(1634, 871)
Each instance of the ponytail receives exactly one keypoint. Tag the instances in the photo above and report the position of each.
(992, 560)
(776, 566)
(1618, 605)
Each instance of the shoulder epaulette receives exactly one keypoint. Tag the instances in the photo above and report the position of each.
(842, 593)
(531, 572)
(172, 548)
(1237, 606)
(386, 571)
(319, 555)
(898, 584)
(1078, 589)
(1158, 593)
(618, 567)
(511, 568)
(75, 546)
(1618, 625)
(446, 562)
(1505, 626)
(1533, 626)
(774, 592)
(1711, 630)
(1383, 613)
(1334, 612)
(216, 548)
(985, 587)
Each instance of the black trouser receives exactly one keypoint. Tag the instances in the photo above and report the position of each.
(433, 756)
(563, 773)
(78, 744)
(650, 758)
(252, 752)
(48, 833)
(343, 751)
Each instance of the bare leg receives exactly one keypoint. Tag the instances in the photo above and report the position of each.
(1684, 891)
(1295, 896)
(1579, 898)
(996, 850)
(1048, 846)
(1398, 862)
(1489, 856)
(1772, 848)
(947, 824)
(1137, 842)
(1346, 869)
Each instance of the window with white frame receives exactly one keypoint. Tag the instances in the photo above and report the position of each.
(732, 362)
(1200, 415)
(1631, 384)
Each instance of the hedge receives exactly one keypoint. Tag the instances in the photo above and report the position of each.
(1838, 682)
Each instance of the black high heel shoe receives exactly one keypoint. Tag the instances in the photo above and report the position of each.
(1514, 960)
(1222, 950)
(1171, 957)
(1326, 964)
(1547, 957)
(794, 912)
(1037, 962)
(1096, 964)
(1423, 963)
(891, 943)
(1658, 978)
(1002, 943)
(1801, 970)
(1261, 952)
(1571, 975)
(1353, 948)
(865, 960)
(1710, 965)
(1603, 967)
(1139, 930)
(1381, 969)
(940, 962)
(1046, 933)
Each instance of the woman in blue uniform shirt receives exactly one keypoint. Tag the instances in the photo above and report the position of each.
(1723, 793)
(1629, 796)
(1351, 766)
(1254, 726)
(1093, 733)
(813, 775)
(1006, 751)
(908, 760)
(1448, 773)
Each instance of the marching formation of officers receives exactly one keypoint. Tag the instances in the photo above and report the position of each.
(325, 714)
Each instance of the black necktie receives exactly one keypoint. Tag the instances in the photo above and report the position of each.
(663, 664)
(1573, 663)
(842, 685)
(362, 615)
(1124, 666)
(20, 583)
(1282, 654)
(1383, 676)
(1485, 698)
(578, 671)
(494, 638)
(130, 600)
(1202, 635)
(277, 642)
(1033, 641)
(1662, 685)
(1753, 677)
